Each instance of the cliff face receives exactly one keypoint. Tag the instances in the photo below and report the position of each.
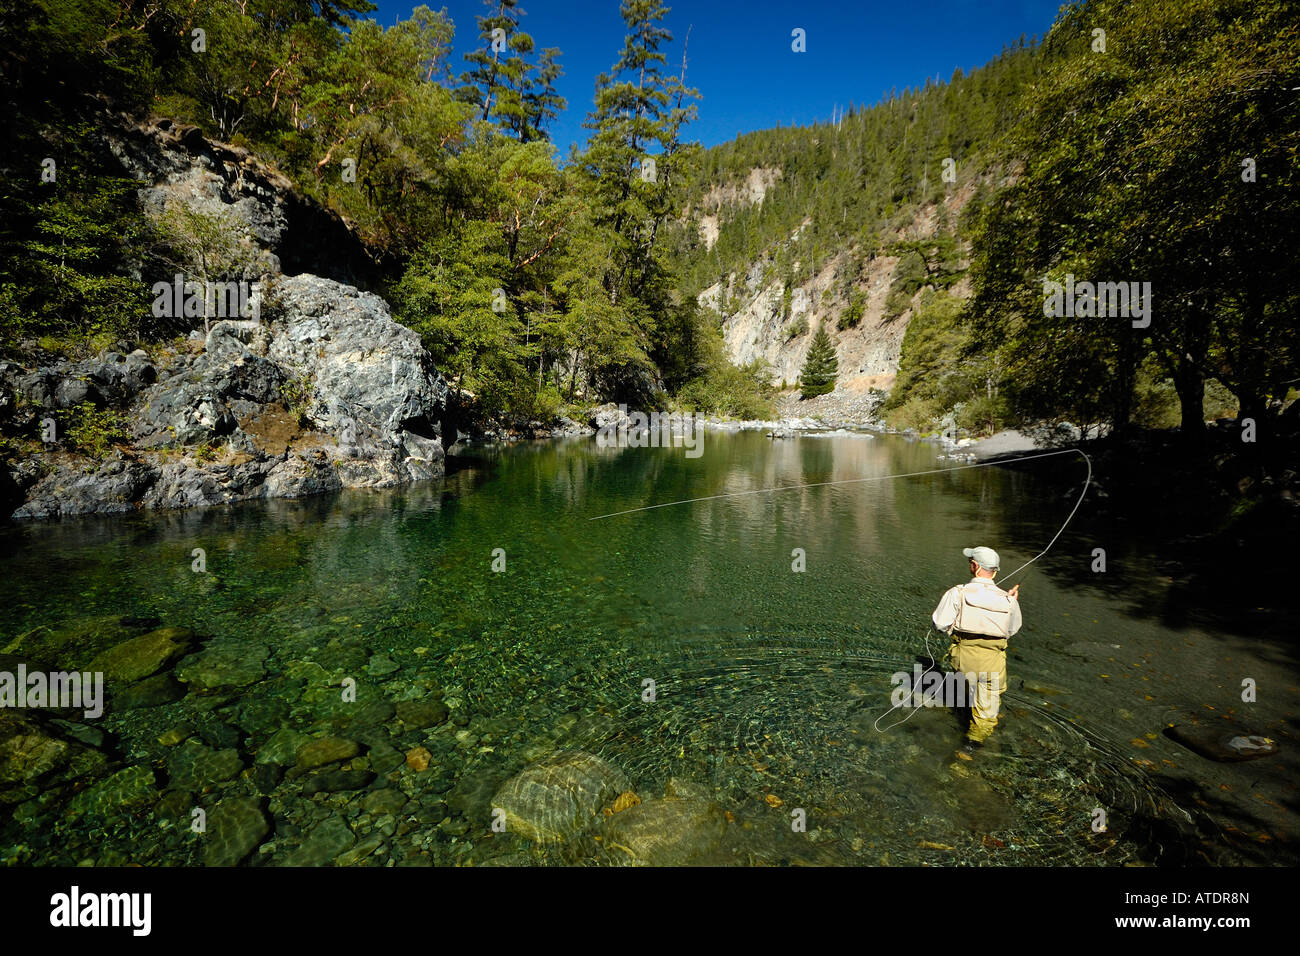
(321, 390)
(756, 324)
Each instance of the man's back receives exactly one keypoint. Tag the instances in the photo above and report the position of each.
(980, 608)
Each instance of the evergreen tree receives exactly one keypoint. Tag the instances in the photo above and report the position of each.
(635, 156)
(821, 367)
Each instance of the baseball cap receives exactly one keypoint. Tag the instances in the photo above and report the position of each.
(986, 558)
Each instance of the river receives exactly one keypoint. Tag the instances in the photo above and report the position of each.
(678, 644)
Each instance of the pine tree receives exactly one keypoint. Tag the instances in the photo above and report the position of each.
(499, 31)
(821, 366)
(635, 156)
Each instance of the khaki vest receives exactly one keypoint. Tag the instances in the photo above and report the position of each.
(984, 610)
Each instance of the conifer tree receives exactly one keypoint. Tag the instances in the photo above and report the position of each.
(821, 367)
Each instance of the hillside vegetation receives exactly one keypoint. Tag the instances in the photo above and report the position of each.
(1141, 141)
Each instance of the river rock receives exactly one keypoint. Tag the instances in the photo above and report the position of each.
(193, 766)
(236, 826)
(266, 777)
(1213, 743)
(388, 800)
(130, 788)
(142, 656)
(151, 692)
(257, 715)
(33, 755)
(421, 714)
(224, 666)
(325, 842)
(325, 750)
(337, 781)
(667, 832)
(282, 747)
(557, 798)
(70, 644)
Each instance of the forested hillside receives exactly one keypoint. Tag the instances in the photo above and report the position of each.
(1142, 141)
(843, 224)
(1145, 141)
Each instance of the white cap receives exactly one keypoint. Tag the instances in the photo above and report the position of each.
(986, 558)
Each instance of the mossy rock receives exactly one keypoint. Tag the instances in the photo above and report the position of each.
(142, 656)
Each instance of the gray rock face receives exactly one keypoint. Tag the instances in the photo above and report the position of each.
(329, 393)
(174, 162)
(321, 391)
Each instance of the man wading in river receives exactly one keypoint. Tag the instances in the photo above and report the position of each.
(979, 617)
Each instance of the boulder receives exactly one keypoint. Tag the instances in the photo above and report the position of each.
(142, 656)
(557, 798)
(667, 832)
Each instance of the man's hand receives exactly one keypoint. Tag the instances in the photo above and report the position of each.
(1014, 592)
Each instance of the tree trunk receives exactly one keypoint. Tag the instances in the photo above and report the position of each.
(573, 379)
(1190, 385)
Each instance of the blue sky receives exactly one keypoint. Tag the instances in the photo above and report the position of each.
(740, 58)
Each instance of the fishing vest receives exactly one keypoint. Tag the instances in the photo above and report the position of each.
(984, 611)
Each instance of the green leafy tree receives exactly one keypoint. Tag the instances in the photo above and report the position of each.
(1133, 171)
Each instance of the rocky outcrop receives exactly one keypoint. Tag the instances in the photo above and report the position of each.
(176, 162)
(326, 393)
(318, 390)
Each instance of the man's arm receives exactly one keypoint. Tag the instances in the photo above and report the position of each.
(945, 615)
(1015, 611)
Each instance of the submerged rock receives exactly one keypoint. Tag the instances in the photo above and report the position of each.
(338, 781)
(193, 766)
(667, 832)
(127, 789)
(556, 799)
(236, 826)
(223, 666)
(421, 714)
(325, 842)
(34, 755)
(325, 750)
(1213, 744)
(282, 747)
(143, 656)
(150, 692)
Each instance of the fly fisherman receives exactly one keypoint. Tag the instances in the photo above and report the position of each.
(979, 617)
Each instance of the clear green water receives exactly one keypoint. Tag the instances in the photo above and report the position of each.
(767, 681)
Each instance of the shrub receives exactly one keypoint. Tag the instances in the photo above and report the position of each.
(90, 430)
